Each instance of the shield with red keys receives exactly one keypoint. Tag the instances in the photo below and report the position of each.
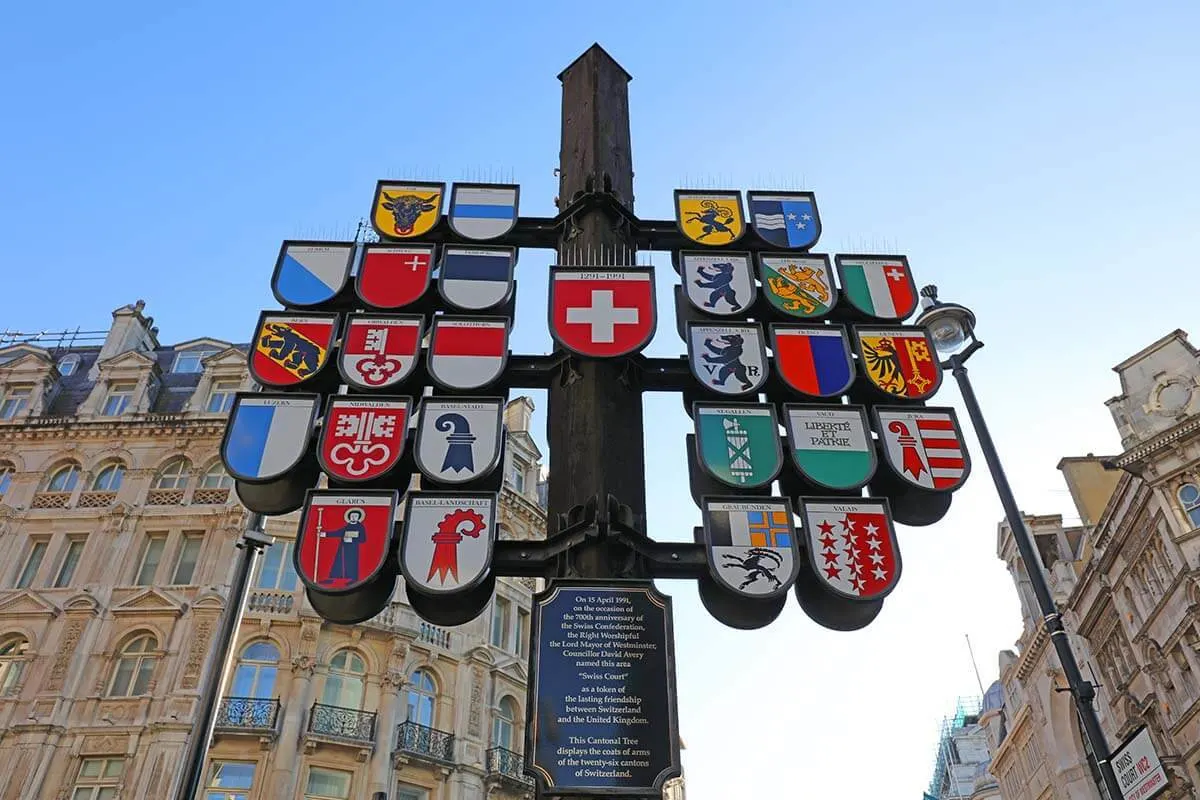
(344, 538)
(393, 275)
(288, 349)
(363, 437)
(924, 446)
(467, 352)
(900, 361)
(852, 545)
(379, 351)
(602, 313)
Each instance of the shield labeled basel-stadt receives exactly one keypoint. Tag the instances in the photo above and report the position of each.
(393, 276)
(467, 352)
(899, 360)
(363, 437)
(483, 211)
(852, 545)
(738, 444)
(880, 286)
(459, 440)
(813, 359)
(785, 219)
(831, 445)
(310, 273)
(290, 348)
(924, 446)
(602, 313)
(710, 218)
(267, 434)
(476, 278)
(406, 209)
(798, 285)
(447, 544)
(729, 358)
(379, 351)
(344, 538)
(718, 283)
(752, 547)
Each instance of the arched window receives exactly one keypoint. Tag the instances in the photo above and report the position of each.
(68, 364)
(504, 724)
(6, 474)
(422, 694)
(174, 475)
(12, 663)
(255, 673)
(64, 479)
(1134, 614)
(135, 668)
(1189, 498)
(346, 681)
(215, 477)
(109, 479)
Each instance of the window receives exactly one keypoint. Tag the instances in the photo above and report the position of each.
(185, 562)
(135, 667)
(119, 395)
(421, 697)
(109, 479)
(501, 620)
(1189, 498)
(16, 400)
(255, 673)
(516, 476)
(345, 683)
(12, 663)
(173, 475)
(148, 564)
(215, 477)
(70, 563)
(220, 397)
(410, 793)
(98, 779)
(504, 724)
(188, 361)
(522, 632)
(33, 562)
(64, 479)
(277, 570)
(226, 778)
(6, 473)
(67, 365)
(327, 784)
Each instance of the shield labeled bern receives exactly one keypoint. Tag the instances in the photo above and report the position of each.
(785, 219)
(899, 361)
(467, 352)
(344, 538)
(728, 358)
(813, 359)
(363, 437)
(379, 351)
(710, 218)
(483, 211)
(602, 313)
(459, 440)
(721, 284)
(393, 276)
(288, 349)
(406, 209)
(879, 286)
(448, 539)
(852, 545)
(924, 446)
(830, 445)
(308, 274)
(798, 285)
(476, 278)
(738, 444)
(751, 542)
(267, 434)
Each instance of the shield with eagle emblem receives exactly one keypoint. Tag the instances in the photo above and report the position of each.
(899, 361)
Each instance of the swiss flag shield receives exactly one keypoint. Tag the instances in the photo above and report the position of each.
(379, 351)
(602, 313)
(393, 276)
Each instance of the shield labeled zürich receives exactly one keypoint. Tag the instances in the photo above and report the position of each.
(924, 446)
(602, 313)
(798, 285)
(710, 218)
(900, 361)
(831, 445)
(728, 358)
(718, 283)
(813, 359)
(267, 434)
(752, 547)
(344, 538)
(852, 545)
(310, 273)
(379, 351)
(288, 349)
(448, 537)
(363, 437)
(476, 278)
(393, 275)
(459, 440)
(785, 219)
(880, 286)
(467, 352)
(483, 211)
(406, 209)
(738, 444)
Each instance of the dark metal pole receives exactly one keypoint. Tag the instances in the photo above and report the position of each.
(1082, 690)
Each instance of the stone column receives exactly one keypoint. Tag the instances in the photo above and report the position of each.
(299, 698)
(380, 769)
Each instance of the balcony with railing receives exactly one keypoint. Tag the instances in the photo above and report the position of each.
(349, 725)
(96, 499)
(253, 715)
(51, 500)
(164, 497)
(506, 766)
(266, 601)
(423, 742)
(210, 497)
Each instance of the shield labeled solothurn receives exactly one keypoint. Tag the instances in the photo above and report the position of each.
(290, 348)
(308, 274)
(363, 437)
(602, 312)
(392, 276)
(406, 209)
(797, 285)
(721, 284)
(344, 538)
(813, 359)
(879, 286)
(476, 278)
(785, 219)
(830, 445)
(483, 211)
(899, 361)
(752, 547)
(727, 358)
(711, 218)
(924, 446)
(738, 444)
(852, 545)
(267, 435)
(379, 351)
(458, 440)
(467, 352)
(448, 539)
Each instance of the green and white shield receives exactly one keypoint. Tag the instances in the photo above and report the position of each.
(738, 444)
(798, 285)
(831, 445)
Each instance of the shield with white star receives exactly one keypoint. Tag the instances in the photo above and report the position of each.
(785, 219)
(751, 544)
(852, 545)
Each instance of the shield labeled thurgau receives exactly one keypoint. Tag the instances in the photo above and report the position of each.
(483, 211)
(798, 286)
(406, 209)
(727, 358)
(363, 437)
(900, 361)
(393, 276)
(710, 218)
(459, 440)
(308, 274)
(738, 444)
(448, 538)
(830, 445)
(344, 538)
(379, 351)
(852, 545)
(602, 313)
(924, 446)
(752, 547)
(721, 284)
(267, 434)
(290, 348)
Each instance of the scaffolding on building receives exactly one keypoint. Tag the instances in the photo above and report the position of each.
(53, 341)
(966, 712)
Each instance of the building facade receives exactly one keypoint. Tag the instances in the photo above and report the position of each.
(960, 770)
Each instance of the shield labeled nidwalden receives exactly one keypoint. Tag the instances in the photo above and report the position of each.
(267, 434)
(727, 358)
(448, 539)
(476, 278)
(310, 273)
(288, 349)
(924, 446)
(831, 445)
(602, 313)
(379, 351)
(721, 284)
(483, 211)
(852, 545)
(459, 440)
(393, 275)
(880, 286)
(785, 219)
(344, 538)
(900, 361)
(738, 444)
(467, 352)
(363, 437)
(710, 218)
(813, 359)
(406, 209)
(798, 285)
(752, 547)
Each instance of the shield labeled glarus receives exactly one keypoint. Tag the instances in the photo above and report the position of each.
(751, 542)
(344, 538)
(738, 444)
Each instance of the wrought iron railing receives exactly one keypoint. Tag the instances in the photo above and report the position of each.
(425, 741)
(342, 723)
(505, 763)
(248, 713)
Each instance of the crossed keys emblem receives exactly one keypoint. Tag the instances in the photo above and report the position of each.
(359, 455)
(380, 367)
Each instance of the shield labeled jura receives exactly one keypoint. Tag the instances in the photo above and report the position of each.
(710, 218)
(602, 313)
(363, 437)
(467, 352)
(448, 539)
(798, 285)
(785, 219)
(406, 209)
(476, 278)
(727, 358)
(718, 283)
(738, 444)
(852, 545)
(900, 361)
(310, 273)
(880, 286)
(483, 211)
(288, 349)
(924, 446)
(752, 547)
(830, 445)
(379, 351)
(393, 275)
(344, 538)
(813, 359)
(267, 434)
(459, 440)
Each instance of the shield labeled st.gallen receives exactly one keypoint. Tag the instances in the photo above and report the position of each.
(379, 351)
(448, 538)
(602, 313)
(344, 538)
(751, 542)
(852, 545)
(290, 348)
(727, 358)
(924, 446)
(363, 437)
(900, 361)
(458, 440)
(738, 444)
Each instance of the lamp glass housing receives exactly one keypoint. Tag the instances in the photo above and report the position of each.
(951, 326)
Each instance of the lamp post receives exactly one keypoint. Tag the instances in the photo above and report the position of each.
(952, 328)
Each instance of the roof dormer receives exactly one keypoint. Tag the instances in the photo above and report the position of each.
(125, 384)
(28, 381)
(224, 375)
(1160, 388)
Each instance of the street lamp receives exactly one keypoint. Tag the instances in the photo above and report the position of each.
(952, 328)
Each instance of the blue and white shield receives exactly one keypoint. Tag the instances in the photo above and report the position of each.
(459, 440)
(476, 278)
(308, 274)
(267, 434)
(483, 211)
(785, 219)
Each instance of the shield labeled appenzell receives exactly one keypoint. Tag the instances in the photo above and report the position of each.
(467, 352)
(344, 538)
(830, 445)
(738, 444)
(879, 286)
(267, 434)
(406, 209)
(363, 437)
(785, 219)
(924, 446)
(727, 358)
(710, 218)
(798, 285)
(813, 359)
(602, 313)
(721, 284)
(459, 440)
(852, 545)
(900, 361)
(393, 275)
(379, 351)
(752, 547)
(290, 348)
(310, 273)
(448, 538)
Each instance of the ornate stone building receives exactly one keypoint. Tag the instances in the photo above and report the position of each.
(960, 770)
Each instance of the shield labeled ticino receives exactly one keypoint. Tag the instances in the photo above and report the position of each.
(267, 434)
(459, 440)
(710, 218)
(288, 349)
(467, 352)
(476, 278)
(899, 361)
(310, 273)
(785, 219)
(393, 275)
(483, 211)
(363, 437)
(738, 444)
(448, 538)
(406, 209)
(379, 351)
(718, 283)
(879, 286)
(813, 359)
(831, 445)
(798, 285)
(752, 547)
(727, 358)
(852, 545)
(344, 538)
(924, 446)
(602, 313)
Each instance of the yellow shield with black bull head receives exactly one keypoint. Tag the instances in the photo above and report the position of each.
(406, 210)
(710, 218)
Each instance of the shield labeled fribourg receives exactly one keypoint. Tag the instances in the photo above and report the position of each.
(602, 313)
(797, 285)
(267, 434)
(727, 358)
(288, 349)
(476, 278)
(344, 538)
(379, 351)
(785, 219)
(924, 446)
(813, 359)
(404, 210)
(447, 545)
(710, 218)
(363, 437)
(393, 275)
(310, 273)
(718, 283)
(831, 445)
(738, 444)
(483, 211)
(752, 547)
(467, 352)
(459, 440)
(852, 545)
(900, 361)
(881, 286)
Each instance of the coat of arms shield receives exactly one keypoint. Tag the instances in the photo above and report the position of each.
(798, 285)
(406, 209)
(267, 434)
(308, 274)
(458, 440)
(290, 348)
(751, 542)
(721, 284)
(924, 446)
(830, 445)
(900, 361)
(738, 444)
(379, 351)
(852, 545)
(448, 538)
(602, 313)
(344, 538)
(710, 218)
(727, 358)
(363, 437)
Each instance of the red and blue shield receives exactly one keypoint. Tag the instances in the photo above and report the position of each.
(344, 538)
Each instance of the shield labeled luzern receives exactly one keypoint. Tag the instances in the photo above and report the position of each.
(288, 349)
(830, 445)
(483, 211)
(852, 545)
(344, 538)
(476, 278)
(602, 313)
(310, 273)
(467, 352)
(393, 275)
(267, 434)
(379, 351)
(813, 359)
(459, 440)
(710, 218)
(406, 209)
(727, 358)
(785, 219)
(448, 538)
(880, 286)
(738, 444)
(363, 437)
(924, 446)
(718, 283)
(900, 361)
(752, 547)
(798, 285)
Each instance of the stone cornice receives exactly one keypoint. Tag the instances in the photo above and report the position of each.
(1031, 654)
(1141, 452)
(140, 425)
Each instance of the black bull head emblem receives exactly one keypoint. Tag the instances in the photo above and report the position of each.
(406, 208)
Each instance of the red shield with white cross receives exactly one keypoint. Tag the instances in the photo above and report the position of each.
(852, 545)
(602, 313)
(363, 437)
(393, 275)
(379, 351)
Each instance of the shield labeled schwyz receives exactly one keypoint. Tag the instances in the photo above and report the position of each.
(813, 359)
(785, 219)
(379, 351)
(830, 445)
(363, 437)
(393, 275)
(308, 274)
(879, 286)
(924, 446)
(267, 435)
(899, 361)
(710, 218)
(798, 286)
(459, 440)
(406, 209)
(738, 444)
(852, 545)
(602, 313)
(752, 547)
(467, 352)
(483, 211)
(727, 358)
(721, 284)
(476, 278)
(448, 538)
(344, 538)
(290, 348)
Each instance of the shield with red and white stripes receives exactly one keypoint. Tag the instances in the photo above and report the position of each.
(924, 446)
(467, 352)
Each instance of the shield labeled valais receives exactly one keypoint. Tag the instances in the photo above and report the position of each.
(459, 440)
(344, 538)
(447, 545)
(467, 352)
(752, 548)
(852, 545)
(363, 437)
(602, 313)
(379, 351)
(924, 446)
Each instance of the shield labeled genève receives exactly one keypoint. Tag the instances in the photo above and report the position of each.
(363, 437)
(924, 446)
(406, 209)
(721, 284)
(379, 351)
(830, 445)
(813, 359)
(267, 434)
(308, 274)
(798, 285)
(785, 219)
(467, 352)
(710, 218)
(476, 278)
(344, 538)
(448, 538)
(900, 361)
(392, 276)
(290, 348)
(738, 444)
(602, 313)
(727, 358)
(879, 286)
(752, 546)
(483, 211)
(852, 545)
(459, 440)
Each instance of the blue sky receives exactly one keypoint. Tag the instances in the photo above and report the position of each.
(1035, 160)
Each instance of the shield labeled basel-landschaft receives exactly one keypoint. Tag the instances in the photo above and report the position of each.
(924, 446)
(379, 351)
(483, 211)
(267, 434)
(718, 283)
(476, 278)
(738, 444)
(602, 313)
(393, 276)
(813, 359)
(797, 285)
(752, 547)
(344, 538)
(710, 218)
(880, 286)
(290, 348)
(830, 445)
(900, 361)
(459, 440)
(852, 545)
(785, 219)
(448, 538)
(728, 358)
(467, 352)
(363, 437)
(310, 273)
(406, 209)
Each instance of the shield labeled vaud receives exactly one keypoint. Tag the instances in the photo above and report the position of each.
(483, 211)
(476, 278)
(752, 547)
(710, 218)
(379, 351)
(406, 209)
(727, 358)
(924, 446)
(830, 445)
(310, 273)
(459, 440)
(798, 285)
(344, 538)
(393, 276)
(267, 434)
(738, 444)
(467, 352)
(602, 313)
(290, 348)
(785, 219)
(721, 284)
(879, 286)
(900, 361)
(448, 538)
(363, 437)
(852, 545)
(813, 359)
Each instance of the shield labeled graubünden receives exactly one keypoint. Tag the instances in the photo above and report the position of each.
(458, 440)
(752, 547)
(738, 444)
(363, 437)
(448, 538)
(344, 538)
